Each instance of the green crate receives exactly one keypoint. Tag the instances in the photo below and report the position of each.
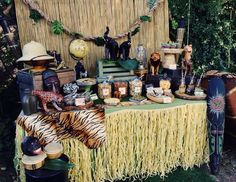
(112, 68)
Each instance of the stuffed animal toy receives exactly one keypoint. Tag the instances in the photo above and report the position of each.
(125, 48)
(186, 61)
(111, 46)
(47, 97)
(155, 61)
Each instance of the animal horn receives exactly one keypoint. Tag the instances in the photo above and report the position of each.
(129, 36)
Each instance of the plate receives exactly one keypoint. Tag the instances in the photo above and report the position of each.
(189, 97)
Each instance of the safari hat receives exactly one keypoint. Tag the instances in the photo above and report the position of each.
(34, 51)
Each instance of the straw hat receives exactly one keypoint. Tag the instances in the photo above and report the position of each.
(34, 51)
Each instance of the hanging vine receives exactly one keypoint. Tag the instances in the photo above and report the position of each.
(58, 27)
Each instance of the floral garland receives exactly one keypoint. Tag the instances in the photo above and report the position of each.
(57, 27)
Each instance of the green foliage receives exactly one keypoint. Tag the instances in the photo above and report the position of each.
(8, 1)
(57, 27)
(35, 15)
(212, 32)
(99, 41)
(145, 18)
(135, 31)
(57, 164)
(77, 35)
(151, 3)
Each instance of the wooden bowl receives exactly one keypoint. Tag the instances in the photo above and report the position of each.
(53, 150)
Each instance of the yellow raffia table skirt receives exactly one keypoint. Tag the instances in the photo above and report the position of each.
(141, 141)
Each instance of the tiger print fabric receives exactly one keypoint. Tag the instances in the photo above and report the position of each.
(86, 125)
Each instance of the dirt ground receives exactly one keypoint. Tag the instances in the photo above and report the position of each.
(227, 170)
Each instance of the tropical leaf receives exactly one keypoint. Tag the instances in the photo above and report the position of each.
(99, 41)
(57, 164)
(35, 15)
(145, 18)
(135, 31)
(57, 27)
(77, 35)
(151, 3)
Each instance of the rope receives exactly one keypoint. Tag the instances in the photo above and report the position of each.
(33, 5)
(189, 8)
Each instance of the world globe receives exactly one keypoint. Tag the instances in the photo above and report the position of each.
(78, 49)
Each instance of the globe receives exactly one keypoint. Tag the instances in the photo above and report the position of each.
(78, 48)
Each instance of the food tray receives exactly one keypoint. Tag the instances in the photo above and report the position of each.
(189, 97)
(160, 100)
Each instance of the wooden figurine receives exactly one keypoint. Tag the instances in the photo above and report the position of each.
(187, 62)
(155, 61)
(47, 97)
(125, 48)
(111, 46)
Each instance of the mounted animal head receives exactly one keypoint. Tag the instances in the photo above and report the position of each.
(155, 56)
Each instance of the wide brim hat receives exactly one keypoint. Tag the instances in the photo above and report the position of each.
(34, 51)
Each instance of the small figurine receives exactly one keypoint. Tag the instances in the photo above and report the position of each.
(125, 48)
(80, 70)
(155, 61)
(187, 62)
(111, 46)
(46, 97)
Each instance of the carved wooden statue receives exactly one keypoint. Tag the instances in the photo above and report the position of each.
(111, 46)
(125, 48)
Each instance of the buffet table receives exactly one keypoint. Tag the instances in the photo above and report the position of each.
(141, 140)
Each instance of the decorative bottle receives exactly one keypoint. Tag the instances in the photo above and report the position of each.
(29, 103)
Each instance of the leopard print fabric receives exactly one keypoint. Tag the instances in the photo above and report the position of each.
(47, 97)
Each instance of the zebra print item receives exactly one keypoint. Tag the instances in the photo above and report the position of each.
(86, 125)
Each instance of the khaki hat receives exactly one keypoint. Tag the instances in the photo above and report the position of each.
(34, 51)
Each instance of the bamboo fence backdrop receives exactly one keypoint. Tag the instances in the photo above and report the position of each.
(91, 17)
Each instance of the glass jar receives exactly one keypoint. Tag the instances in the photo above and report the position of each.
(141, 56)
(122, 87)
(135, 87)
(104, 90)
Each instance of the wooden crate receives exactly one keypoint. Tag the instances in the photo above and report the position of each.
(33, 81)
(112, 68)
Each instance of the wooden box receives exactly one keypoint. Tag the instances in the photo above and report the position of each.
(33, 81)
(112, 68)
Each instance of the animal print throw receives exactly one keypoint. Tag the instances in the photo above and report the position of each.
(86, 125)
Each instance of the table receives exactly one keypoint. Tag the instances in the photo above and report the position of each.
(141, 140)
